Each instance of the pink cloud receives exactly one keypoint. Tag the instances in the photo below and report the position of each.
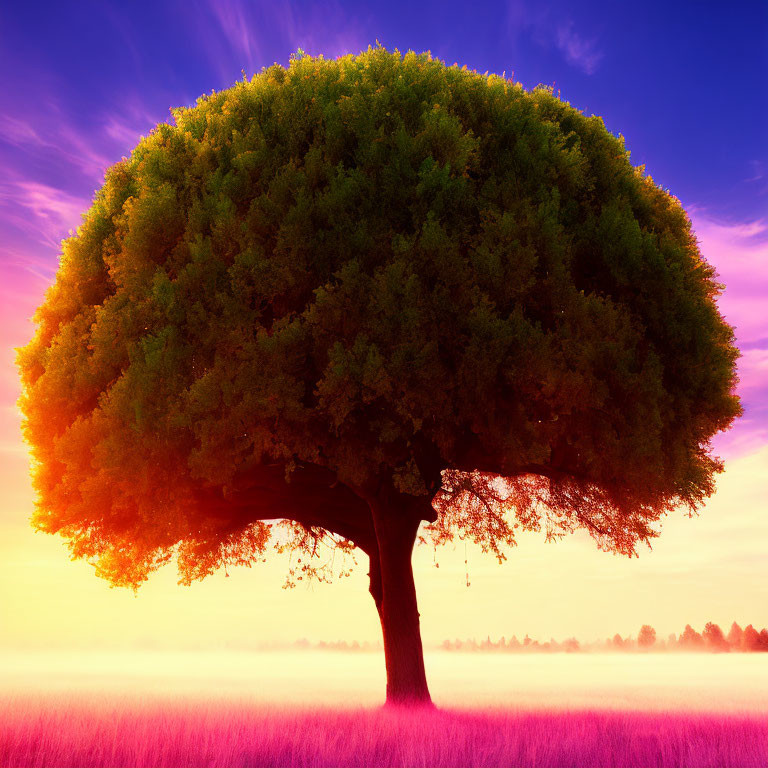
(753, 370)
(577, 50)
(57, 138)
(37, 211)
(48, 203)
(54, 137)
(739, 253)
(43, 212)
(19, 132)
(746, 437)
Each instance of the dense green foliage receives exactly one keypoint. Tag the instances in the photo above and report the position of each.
(385, 267)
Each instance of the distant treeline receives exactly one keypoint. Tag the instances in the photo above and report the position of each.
(712, 639)
(337, 645)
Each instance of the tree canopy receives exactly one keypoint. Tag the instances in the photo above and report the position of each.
(374, 269)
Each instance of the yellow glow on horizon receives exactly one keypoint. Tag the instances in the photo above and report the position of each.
(708, 568)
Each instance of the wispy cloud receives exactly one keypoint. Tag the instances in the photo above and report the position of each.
(52, 163)
(739, 252)
(578, 50)
(125, 128)
(55, 138)
(44, 212)
(237, 35)
(19, 133)
(238, 29)
(54, 207)
(753, 370)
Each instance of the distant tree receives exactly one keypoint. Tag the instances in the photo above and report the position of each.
(714, 638)
(750, 638)
(647, 636)
(735, 634)
(358, 295)
(618, 641)
(671, 640)
(691, 639)
(570, 645)
(763, 641)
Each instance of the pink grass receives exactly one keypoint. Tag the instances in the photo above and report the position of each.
(92, 731)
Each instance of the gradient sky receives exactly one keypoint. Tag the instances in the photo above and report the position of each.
(685, 83)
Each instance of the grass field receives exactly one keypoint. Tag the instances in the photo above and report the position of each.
(79, 710)
(99, 731)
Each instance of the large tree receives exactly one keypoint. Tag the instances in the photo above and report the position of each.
(352, 296)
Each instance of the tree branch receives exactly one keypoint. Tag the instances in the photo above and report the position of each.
(311, 496)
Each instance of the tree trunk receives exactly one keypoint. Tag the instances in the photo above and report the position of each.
(394, 592)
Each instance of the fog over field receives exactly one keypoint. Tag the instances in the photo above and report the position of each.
(728, 683)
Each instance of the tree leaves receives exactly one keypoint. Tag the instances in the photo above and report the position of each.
(385, 268)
